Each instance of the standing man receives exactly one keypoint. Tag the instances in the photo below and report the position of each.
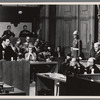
(8, 33)
(25, 32)
(76, 46)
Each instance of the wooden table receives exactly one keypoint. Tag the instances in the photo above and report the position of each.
(42, 67)
(40, 63)
(14, 91)
(49, 80)
(83, 85)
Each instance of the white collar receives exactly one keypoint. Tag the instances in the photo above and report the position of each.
(3, 46)
(98, 52)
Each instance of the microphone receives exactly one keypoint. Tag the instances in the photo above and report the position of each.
(3, 53)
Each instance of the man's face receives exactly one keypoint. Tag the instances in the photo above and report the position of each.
(30, 50)
(27, 39)
(36, 43)
(75, 36)
(58, 48)
(49, 48)
(9, 28)
(89, 63)
(7, 42)
(25, 27)
(18, 42)
(72, 63)
(96, 48)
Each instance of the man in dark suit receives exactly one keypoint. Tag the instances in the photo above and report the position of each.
(8, 33)
(25, 32)
(76, 67)
(91, 67)
(95, 52)
(6, 51)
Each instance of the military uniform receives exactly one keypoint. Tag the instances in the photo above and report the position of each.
(25, 33)
(77, 48)
(8, 34)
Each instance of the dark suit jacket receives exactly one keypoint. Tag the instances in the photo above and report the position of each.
(1, 49)
(96, 69)
(8, 53)
(92, 53)
(61, 54)
(77, 43)
(25, 33)
(8, 34)
(97, 57)
(78, 69)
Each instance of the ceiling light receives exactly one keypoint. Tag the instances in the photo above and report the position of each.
(20, 12)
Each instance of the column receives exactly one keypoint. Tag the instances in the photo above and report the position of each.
(98, 22)
(46, 22)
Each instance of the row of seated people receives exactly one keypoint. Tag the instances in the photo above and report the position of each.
(74, 67)
(38, 50)
(25, 32)
(70, 63)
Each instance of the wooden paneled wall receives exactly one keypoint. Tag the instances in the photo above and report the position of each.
(67, 19)
(86, 26)
(44, 23)
(65, 25)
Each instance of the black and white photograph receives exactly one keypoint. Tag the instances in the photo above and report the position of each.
(49, 50)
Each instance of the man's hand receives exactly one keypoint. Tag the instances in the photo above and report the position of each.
(80, 58)
(68, 57)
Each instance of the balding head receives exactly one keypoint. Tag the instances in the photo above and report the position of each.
(96, 46)
(75, 34)
(73, 62)
(91, 61)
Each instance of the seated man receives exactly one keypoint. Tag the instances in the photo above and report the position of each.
(25, 32)
(91, 67)
(26, 44)
(36, 45)
(58, 52)
(64, 68)
(45, 55)
(8, 33)
(7, 50)
(31, 55)
(95, 52)
(76, 67)
(18, 48)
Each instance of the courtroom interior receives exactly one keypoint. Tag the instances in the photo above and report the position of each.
(49, 50)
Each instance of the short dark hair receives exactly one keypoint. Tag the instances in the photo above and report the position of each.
(9, 26)
(24, 26)
(4, 38)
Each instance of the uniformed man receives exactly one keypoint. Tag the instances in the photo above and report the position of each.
(76, 46)
(8, 33)
(25, 32)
